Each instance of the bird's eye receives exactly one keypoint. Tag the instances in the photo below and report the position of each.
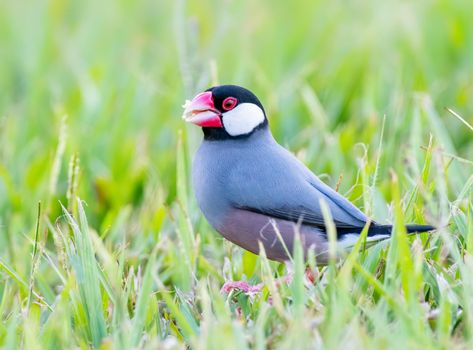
(229, 103)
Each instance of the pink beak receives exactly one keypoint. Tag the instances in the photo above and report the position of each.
(201, 111)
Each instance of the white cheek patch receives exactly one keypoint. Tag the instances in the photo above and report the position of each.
(242, 119)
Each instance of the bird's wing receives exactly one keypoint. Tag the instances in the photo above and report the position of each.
(278, 185)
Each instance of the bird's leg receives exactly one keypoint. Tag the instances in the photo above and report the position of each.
(309, 274)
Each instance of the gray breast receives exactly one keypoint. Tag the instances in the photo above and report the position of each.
(212, 169)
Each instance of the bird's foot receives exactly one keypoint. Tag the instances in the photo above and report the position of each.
(243, 286)
(250, 289)
(253, 289)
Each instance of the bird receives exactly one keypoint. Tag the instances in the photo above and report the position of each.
(256, 193)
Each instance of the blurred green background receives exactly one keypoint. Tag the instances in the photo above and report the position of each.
(120, 72)
(104, 81)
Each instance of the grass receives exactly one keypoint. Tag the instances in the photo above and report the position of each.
(117, 255)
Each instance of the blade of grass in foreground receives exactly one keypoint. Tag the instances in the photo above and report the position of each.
(82, 257)
(141, 309)
(297, 285)
(184, 226)
(187, 328)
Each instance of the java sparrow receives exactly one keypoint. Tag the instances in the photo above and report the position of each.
(251, 189)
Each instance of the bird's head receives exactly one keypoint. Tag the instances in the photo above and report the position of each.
(226, 111)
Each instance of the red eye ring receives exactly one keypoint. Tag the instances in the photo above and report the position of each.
(229, 103)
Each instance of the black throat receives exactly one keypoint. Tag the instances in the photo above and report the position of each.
(217, 134)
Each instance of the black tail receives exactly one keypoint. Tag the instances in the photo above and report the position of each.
(376, 229)
(387, 229)
(414, 228)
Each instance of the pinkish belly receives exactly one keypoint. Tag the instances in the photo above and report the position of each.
(248, 230)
